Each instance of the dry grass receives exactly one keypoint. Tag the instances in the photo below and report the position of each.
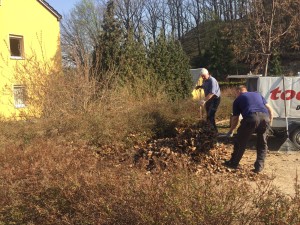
(74, 166)
(58, 182)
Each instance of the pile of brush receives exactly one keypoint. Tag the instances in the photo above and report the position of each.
(194, 148)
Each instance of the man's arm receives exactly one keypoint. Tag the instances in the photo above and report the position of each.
(270, 110)
(234, 120)
(234, 123)
(207, 97)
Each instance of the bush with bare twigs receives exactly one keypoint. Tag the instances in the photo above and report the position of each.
(75, 165)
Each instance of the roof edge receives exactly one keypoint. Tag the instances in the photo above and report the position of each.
(243, 76)
(51, 9)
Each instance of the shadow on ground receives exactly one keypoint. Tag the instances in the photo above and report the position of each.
(274, 143)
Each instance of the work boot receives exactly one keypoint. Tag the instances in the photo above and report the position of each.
(258, 167)
(231, 165)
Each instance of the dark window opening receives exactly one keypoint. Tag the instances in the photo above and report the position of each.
(16, 46)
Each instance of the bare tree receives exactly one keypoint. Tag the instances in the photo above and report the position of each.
(269, 22)
(242, 8)
(131, 13)
(195, 9)
(153, 17)
(79, 32)
(164, 19)
(176, 17)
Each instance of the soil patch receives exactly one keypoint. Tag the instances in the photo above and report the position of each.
(282, 167)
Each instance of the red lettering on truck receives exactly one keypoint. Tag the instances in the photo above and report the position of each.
(286, 95)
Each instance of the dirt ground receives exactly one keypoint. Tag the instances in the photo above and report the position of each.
(281, 165)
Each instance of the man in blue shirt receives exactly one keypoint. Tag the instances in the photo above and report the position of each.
(212, 96)
(257, 117)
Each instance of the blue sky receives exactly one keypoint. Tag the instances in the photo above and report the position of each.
(62, 6)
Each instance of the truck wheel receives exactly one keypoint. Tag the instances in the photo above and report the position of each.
(295, 137)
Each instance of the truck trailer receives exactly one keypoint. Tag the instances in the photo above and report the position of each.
(283, 94)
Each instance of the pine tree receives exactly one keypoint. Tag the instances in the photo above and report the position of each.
(218, 56)
(134, 70)
(180, 78)
(171, 66)
(159, 57)
(133, 58)
(221, 57)
(275, 65)
(106, 56)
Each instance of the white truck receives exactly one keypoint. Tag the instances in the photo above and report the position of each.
(283, 94)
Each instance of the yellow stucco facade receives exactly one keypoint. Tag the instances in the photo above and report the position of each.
(29, 50)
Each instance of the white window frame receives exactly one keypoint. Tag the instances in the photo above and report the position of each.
(19, 92)
(20, 40)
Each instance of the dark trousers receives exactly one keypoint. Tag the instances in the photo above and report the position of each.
(258, 122)
(211, 107)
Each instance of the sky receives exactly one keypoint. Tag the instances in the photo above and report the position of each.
(62, 6)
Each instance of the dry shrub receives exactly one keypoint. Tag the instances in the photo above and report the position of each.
(64, 183)
(126, 120)
(74, 107)
(52, 170)
(225, 109)
(35, 180)
(229, 92)
(63, 180)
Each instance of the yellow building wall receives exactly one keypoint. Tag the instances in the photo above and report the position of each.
(40, 30)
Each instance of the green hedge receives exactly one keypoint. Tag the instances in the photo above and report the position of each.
(227, 84)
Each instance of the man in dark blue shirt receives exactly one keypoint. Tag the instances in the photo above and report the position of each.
(212, 96)
(257, 116)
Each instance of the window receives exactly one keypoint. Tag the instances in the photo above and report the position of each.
(16, 46)
(19, 96)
